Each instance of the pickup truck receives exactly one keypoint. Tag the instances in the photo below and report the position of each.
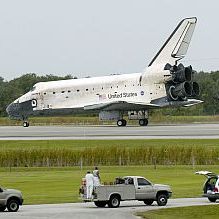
(10, 199)
(128, 188)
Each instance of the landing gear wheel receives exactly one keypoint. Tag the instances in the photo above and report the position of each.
(121, 122)
(143, 122)
(26, 124)
(124, 122)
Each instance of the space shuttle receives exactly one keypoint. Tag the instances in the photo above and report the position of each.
(164, 83)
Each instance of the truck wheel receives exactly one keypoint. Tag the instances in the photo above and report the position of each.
(13, 205)
(2, 208)
(148, 201)
(161, 199)
(100, 204)
(212, 199)
(114, 201)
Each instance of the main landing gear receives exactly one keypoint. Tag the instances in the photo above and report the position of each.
(143, 122)
(121, 122)
(141, 116)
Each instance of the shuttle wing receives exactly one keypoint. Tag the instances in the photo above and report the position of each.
(177, 44)
(121, 105)
(129, 105)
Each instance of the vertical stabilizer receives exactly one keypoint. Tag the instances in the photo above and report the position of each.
(177, 44)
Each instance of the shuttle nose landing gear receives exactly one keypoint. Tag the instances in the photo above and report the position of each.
(25, 121)
(26, 124)
(121, 122)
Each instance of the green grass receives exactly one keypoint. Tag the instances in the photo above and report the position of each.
(203, 212)
(81, 144)
(94, 120)
(59, 185)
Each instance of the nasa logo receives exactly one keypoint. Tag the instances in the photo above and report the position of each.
(142, 93)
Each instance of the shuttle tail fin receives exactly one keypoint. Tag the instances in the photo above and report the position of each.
(177, 44)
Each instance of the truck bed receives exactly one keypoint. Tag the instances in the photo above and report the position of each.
(126, 192)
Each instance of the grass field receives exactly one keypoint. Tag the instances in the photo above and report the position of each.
(203, 212)
(59, 185)
(94, 120)
(81, 144)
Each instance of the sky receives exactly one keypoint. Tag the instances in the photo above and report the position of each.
(95, 38)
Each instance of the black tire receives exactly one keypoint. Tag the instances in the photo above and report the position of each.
(143, 122)
(212, 199)
(100, 204)
(13, 205)
(161, 199)
(114, 201)
(146, 122)
(148, 201)
(124, 122)
(121, 122)
(2, 208)
(26, 124)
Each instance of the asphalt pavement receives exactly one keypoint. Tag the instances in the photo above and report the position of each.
(127, 210)
(190, 131)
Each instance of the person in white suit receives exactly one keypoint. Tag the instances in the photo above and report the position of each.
(89, 184)
(96, 175)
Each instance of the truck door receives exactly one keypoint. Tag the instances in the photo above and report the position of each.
(144, 189)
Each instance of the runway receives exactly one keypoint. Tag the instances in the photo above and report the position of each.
(188, 131)
(88, 210)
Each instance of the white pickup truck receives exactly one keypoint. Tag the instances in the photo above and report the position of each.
(129, 188)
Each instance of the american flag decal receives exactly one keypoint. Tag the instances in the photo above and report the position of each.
(102, 96)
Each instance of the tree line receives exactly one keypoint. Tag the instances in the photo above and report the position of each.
(208, 81)
(11, 90)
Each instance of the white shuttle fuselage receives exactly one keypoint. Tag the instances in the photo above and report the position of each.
(163, 83)
(79, 93)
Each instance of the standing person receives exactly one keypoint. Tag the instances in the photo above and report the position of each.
(89, 184)
(96, 175)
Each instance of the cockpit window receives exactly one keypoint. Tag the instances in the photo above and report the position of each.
(33, 88)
